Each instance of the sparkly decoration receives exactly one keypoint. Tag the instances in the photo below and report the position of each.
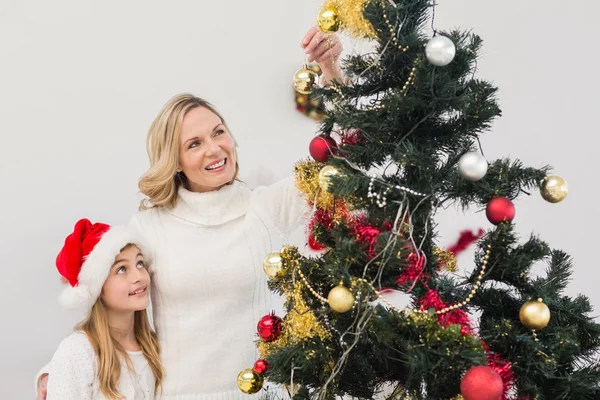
(367, 234)
(534, 314)
(554, 189)
(445, 259)
(307, 181)
(322, 147)
(352, 137)
(261, 366)
(269, 327)
(326, 219)
(311, 106)
(440, 51)
(290, 258)
(381, 198)
(392, 29)
(409, 81)
(500, 209)
(481, 383)
(300, 322)
(328, 20)
(249, 381)
(465, 239)
(272, 264)
(352, 20)
(327, 172)
(501, 366)
(340, 299)
(472, 166)
(414, 270)
(305, 79)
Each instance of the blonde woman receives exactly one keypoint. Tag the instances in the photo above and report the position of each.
(209, 235)
(113, 353)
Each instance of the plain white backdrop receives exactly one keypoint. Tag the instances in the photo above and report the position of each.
(81, 81)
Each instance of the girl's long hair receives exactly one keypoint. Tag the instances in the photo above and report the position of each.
(110, 353)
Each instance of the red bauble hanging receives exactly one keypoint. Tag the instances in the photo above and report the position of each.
(261, 366)
(269, 327)
(322, 147)
(314, 244)
(500, 209)
(481, 383)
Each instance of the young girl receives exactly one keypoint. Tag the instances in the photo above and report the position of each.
(113, 353)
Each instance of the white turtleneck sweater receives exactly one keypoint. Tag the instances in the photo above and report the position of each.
(208, 287)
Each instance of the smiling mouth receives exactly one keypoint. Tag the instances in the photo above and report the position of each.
(217, 165)
(141, 290)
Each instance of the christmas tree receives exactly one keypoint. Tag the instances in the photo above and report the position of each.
(399, 141)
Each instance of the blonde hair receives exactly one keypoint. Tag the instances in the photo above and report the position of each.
(110, 353)
(161, 182)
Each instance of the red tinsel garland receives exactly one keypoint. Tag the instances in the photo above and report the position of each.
(351, 138)
(414, 271)
(465, 239)
(433, 300)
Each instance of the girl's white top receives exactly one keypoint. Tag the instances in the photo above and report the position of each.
(74, 373)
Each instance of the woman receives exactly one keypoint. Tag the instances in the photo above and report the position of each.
(209, 235)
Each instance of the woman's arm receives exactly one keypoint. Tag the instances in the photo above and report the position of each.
(283, 203)
(72, 370)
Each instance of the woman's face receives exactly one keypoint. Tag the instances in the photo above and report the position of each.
(207, 154)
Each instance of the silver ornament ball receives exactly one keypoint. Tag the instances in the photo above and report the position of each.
(440, 51)
(472, 166)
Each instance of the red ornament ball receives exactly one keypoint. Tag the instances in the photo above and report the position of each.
(481, 383)
(269, 327)
(322, 147)
(500, 209)
(314, 244)
(261, 366)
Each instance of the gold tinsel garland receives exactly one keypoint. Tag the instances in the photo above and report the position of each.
(307, 181)
(350, 13)
(445, 258)
(300, 323)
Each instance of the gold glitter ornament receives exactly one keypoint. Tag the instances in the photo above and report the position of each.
(272, 264)
(534, 314)
(249, 381)
(327, 172)
(328, 20)
(305, 80)
(554, 189)
(340, 299)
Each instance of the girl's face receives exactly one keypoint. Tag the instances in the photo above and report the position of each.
(127, 287)
(207, 153)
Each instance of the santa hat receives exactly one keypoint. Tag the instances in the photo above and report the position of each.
(86, 259)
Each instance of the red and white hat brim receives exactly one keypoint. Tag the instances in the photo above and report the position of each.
(96, 268)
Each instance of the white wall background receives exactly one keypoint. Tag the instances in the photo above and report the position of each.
(80, 82)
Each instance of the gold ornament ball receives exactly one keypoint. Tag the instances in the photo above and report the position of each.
(554, 189)
(340, 299)
(327, 172)
(272, 264)
(305, 80)
(534, 314)
(249, 381)
(328, 20)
